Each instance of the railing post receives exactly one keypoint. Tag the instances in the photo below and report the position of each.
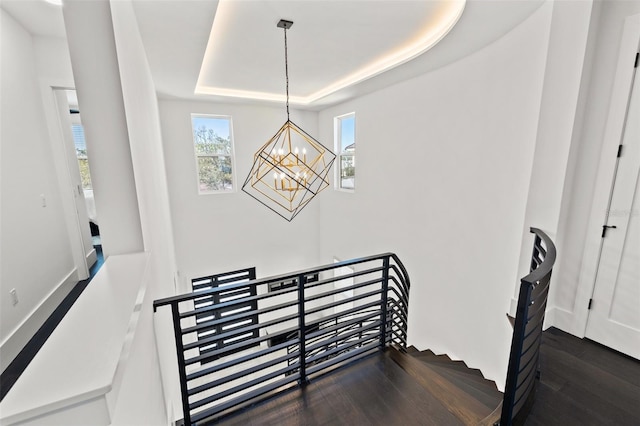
(182, 372)
(302, 329)
(383, 301)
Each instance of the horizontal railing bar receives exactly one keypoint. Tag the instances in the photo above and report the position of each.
(225, 349)
(343, 301)
(399, 289)
(397, 309)
(358, 310)
(277, 278)
(210, 370)
(343, 289)
(222, 336)
(235, 317)
(243, 398)
(341, 325)
(341, 334)
(403, 270)
(339, 337)
(341, 358)
(334, 279)
(234, 302)
(360, 342)
(348, 311)
(401, 302)
(227, 392)
(528, 345)
(538, 246)
(205, 325)
(239, 374)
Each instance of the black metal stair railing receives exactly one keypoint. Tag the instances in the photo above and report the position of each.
(523, 369)
(305, 327)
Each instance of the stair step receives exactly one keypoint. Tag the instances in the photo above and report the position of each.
(412, 350)
(481, 389)
(444, 361)
(457, 367)
(457, 400)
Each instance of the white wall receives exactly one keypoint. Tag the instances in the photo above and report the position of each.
(443, 167)
(35, 256)
(222, 232)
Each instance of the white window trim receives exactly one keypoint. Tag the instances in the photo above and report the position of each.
(337, 127)
(234, 181)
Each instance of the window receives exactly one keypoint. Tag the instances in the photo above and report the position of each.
(81, 152)
(345, 131)
(213, 140)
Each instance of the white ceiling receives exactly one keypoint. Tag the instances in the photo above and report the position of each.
(328, 41)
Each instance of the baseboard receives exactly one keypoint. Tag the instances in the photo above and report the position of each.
(17, 340)
(92, 257)
(564, 320)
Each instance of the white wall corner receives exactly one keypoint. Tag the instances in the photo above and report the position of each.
(18, 338)
(92, 257)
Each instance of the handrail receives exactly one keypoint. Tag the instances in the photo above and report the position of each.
(288, 276)
(549, 259)
(226, 359)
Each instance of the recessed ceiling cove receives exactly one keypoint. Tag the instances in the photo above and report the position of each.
(332, 44)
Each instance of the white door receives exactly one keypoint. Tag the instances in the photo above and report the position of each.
(614, 315)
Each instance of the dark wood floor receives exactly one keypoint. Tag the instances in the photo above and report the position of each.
(582, 383)
(374, 391)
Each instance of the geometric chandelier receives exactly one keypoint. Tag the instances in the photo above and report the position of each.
(292, 167)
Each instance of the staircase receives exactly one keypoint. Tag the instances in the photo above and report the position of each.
(463, 391)
(387, 388)
(303, 331)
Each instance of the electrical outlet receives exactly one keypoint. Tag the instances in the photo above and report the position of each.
(14, 296)
(43, 200)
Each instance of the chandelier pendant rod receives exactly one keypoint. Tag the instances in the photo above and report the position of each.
(286, 68)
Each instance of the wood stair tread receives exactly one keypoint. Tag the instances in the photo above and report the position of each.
(471, 375)
(463, 405)
(483, 390)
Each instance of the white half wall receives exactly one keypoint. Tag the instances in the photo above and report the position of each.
(35, 255)
(143, 125)
(443, 168)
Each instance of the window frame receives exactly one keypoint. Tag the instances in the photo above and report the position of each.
(337, 127)
(76, 123)
(231, 155)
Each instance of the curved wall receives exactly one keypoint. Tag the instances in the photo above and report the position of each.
(443, 172)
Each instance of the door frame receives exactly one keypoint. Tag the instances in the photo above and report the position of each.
(67, 187)
(616, 119)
